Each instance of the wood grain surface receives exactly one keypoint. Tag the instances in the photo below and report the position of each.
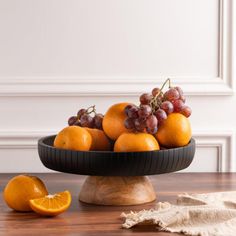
(84, 219)
(117, 191)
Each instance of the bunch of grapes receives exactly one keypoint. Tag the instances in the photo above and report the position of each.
(87, 118)
(154, 108)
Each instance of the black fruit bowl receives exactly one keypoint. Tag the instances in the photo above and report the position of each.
(108, 163)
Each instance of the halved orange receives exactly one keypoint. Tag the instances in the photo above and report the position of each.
(51, 205)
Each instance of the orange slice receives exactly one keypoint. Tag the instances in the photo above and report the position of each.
(51, 205)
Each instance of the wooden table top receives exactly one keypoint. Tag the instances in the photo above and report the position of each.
(84, 219)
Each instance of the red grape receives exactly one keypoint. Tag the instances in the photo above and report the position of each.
(77, 123)
(131, 111)
(72, 120)
(98, 121)
(81, 112)
(181, 93)
(151, 124)
(87, 121)
(127, 109)
(167, 107)
(160, 115)
(129, 123)
(186, 111)
(155, 91)
(152, 131)
(144, 111)
(171, 94)
(145, 98)
(178, 105)
(140, 124)
(151, 121)
(182, 98)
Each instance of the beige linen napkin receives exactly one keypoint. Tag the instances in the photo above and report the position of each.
(210, 214)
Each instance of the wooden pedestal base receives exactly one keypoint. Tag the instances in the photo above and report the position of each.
(117, 191)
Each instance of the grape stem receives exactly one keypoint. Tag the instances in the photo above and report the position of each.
(154, 102)
(167, 81)
(92, 108)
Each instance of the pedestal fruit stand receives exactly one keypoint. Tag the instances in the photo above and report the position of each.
(115, 178)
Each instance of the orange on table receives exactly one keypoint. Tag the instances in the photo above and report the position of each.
(73, 138)
(113, 121)
(175, 131)
(136, 142)
(100, 141)
(21, 189)
(51, 205)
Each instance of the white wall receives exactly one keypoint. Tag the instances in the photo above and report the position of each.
(57, 56)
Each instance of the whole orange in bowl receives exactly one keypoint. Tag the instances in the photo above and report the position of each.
(175, 131)
(100, 141)
(113, 121)
(21, 189)
(136, 142)
(73, 138)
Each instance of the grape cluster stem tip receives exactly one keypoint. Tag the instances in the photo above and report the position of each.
(91, 109)
(154, 102)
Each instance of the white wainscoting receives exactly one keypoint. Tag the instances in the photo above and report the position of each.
(218, 82)
(222, 145)
(57, 56)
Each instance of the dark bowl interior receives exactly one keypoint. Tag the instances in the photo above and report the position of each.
(108, 163)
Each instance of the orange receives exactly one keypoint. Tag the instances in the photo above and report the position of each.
(136, 142)
(21, 189)
(51, 205)
(73, 138)
(100, 141)
(113, 121)
(175, 131)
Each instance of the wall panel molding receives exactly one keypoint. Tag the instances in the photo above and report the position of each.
(222, 140)
(130, 86)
